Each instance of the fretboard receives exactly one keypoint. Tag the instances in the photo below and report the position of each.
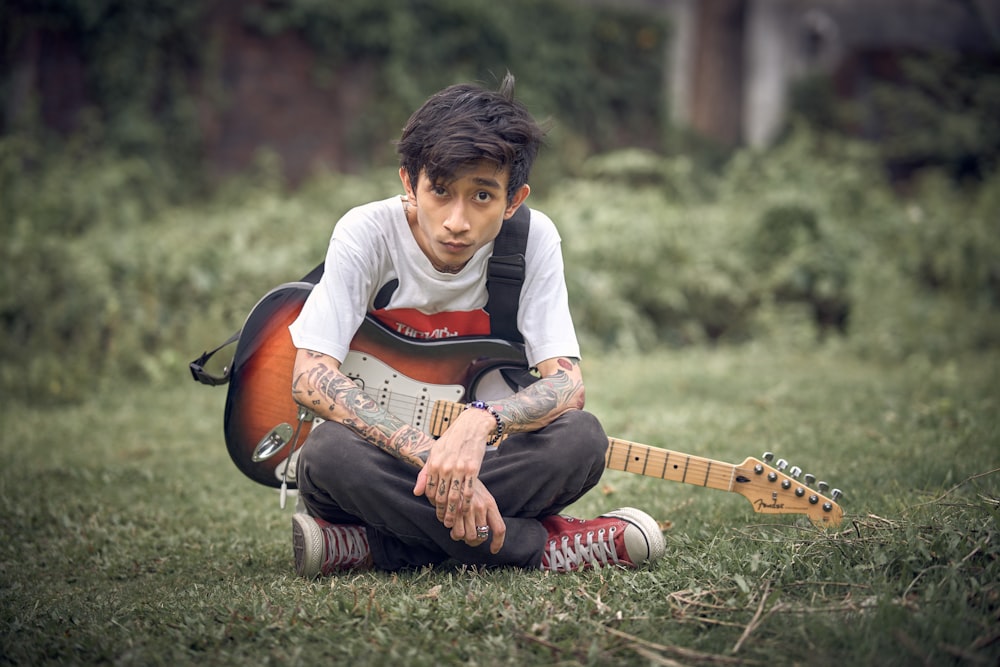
(672, 466)
(629, 456)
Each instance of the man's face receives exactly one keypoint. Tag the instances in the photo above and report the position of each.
(452, 220)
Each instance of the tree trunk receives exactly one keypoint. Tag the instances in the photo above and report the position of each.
(717, 86)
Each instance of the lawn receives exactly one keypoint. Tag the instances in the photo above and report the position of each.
(129, 537)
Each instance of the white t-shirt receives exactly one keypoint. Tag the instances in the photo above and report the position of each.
(372, 245)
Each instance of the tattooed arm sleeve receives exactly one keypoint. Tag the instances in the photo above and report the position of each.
(318, 384)
(559, 390)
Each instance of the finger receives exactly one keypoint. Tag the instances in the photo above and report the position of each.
(479, 536)
(468, 490)
(437, 493)
(498, 528)
(423, 481)
(464, 529)
(445, 513)
(449, 503)
(474, 521)
(453, 504)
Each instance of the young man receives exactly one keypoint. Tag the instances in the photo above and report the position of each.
(382, 493)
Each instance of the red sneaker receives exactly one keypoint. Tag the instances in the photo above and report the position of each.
(626, 537)
(323, 548)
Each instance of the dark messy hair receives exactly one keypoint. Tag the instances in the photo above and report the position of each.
(464, 124)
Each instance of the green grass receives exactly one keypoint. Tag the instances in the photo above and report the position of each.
(128, 537)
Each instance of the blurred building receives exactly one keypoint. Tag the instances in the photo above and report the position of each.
(733, 62)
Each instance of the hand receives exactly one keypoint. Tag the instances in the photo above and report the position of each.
(452, 467)
(481, 511)
(450, 481)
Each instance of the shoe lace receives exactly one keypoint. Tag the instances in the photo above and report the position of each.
(345, 546)
(564, 556)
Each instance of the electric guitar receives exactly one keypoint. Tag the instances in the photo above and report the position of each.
(426, 384)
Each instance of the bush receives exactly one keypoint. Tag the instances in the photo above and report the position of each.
(930, 282)
(810, 230)
(137, 297)
(787, 245)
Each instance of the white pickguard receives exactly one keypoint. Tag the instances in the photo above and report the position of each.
(401, 395)
(398, 394)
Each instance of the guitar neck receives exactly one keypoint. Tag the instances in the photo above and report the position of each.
(631, 457)
(768, 489)
(672, 466)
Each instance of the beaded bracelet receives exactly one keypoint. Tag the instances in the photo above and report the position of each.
(489, 408)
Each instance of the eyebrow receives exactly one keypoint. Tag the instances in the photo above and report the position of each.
(487, 182)
(481, 181)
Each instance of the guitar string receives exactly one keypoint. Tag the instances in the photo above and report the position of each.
(693, 469)
(408, 408)
(713, 474)
(698, 465)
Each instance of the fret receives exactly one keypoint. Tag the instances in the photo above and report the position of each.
(665, 464)
(442, 414)
(637, 458)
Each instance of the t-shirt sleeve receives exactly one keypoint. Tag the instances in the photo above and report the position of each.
(544, 317)
(337, 304)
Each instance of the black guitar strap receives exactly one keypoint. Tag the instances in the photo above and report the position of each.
(504, 277)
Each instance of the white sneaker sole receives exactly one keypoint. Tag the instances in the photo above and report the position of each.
(307, 545)
(643, 538)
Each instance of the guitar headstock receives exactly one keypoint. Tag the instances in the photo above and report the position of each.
(771, 491)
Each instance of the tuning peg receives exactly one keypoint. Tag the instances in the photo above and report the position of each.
(781, 464)
(809, 478)
(836, 494)
(768, 456)
(794, 472)
(822, 486)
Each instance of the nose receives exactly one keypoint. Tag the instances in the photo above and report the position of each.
(457, 221)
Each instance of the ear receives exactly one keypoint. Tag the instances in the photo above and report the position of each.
(518, 199)
(404, 177)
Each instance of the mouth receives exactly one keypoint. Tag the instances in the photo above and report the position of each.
(454, 247)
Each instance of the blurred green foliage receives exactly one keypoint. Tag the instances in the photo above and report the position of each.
(932, 108)
(152, 66)
(138, 61)
(112, 268)
(657, 252)
(599, 67)
(806, 241)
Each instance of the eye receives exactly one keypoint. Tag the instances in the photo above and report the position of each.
(482, 196)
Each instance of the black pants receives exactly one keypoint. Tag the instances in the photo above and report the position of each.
(344, 479)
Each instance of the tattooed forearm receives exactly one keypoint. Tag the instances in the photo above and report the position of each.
(543, 401)
(334, 396)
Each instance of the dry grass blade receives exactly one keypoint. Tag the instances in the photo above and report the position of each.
(758, 617)
(655, 658)
(965, 481)
(643, 646)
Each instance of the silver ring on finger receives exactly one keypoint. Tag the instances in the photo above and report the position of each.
(482, 532)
